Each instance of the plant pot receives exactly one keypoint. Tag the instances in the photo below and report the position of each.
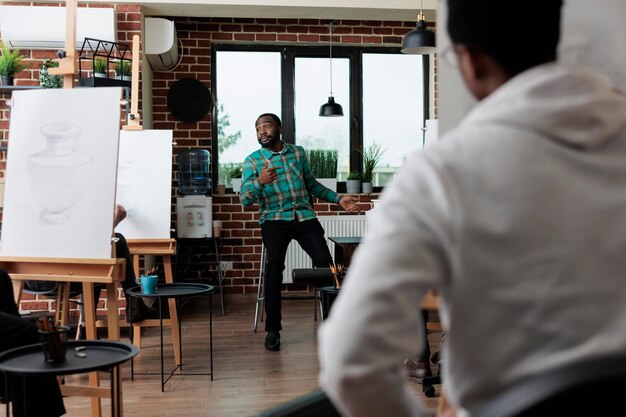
(7, 80)
(236, 182)
(353, 186)
(368, 187)
(123, 77)
(100, 75)
(330, 183)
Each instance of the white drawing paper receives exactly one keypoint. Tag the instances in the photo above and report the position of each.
(60, 176)
(144, 183)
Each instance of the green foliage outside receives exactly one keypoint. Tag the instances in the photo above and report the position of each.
(323, 162)
(11, 62)
(47, 80)
(225, 141)
(371, 158)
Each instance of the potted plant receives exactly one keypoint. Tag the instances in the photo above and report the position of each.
(353, 183)
(235, 178)
(100, 68)
(47, 80)
(323, 163)
(371, 158)
(123, 70)
(10, 64)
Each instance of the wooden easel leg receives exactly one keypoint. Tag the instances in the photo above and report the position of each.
(169, 278)
(136, 329)
(112, 312)
(63, 301)
(18, 289)
(90, 330)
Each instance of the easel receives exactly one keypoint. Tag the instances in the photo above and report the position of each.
(142, 247)
(67, 270)
(164, 248)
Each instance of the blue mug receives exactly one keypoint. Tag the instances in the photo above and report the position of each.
(148, 283)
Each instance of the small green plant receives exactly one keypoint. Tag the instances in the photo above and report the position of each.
(47, 80)
(236, 172)
(100, 65)
(354, 175)
(122, 68)
(323, 162)
(11, 61)
(371, 158)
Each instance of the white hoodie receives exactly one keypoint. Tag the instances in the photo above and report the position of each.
(518, 219)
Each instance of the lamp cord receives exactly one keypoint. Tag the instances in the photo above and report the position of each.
(331, 57)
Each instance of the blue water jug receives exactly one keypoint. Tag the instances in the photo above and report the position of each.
(193, 172)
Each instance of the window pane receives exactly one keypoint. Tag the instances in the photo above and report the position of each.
(312, 88)
(248, 84)
(393, 109)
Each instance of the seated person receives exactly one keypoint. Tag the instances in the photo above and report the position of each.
(140, 311)
(42, 397)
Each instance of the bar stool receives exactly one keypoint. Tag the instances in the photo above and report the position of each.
(260, 291)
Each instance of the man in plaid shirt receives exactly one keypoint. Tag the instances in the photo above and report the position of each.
(279, 178)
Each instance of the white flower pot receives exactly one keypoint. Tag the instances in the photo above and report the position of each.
(353, 186)
(330, 183)
(368, 188)
(236, 182)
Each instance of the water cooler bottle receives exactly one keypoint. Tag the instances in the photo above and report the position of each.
(194, 211)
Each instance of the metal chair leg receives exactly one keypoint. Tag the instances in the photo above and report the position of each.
(260, 290)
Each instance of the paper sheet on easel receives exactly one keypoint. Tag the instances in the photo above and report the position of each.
(60, 176)
(144, 183)
(432, 132)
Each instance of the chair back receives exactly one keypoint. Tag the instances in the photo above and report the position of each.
(570, 387)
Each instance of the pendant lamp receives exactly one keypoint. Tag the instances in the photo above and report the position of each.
(331, 109)
(420, 40)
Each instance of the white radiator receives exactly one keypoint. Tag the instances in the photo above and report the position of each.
(334, 226)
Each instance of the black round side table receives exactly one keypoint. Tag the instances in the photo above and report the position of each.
(28, 361)
(176, 290)
(327, 297)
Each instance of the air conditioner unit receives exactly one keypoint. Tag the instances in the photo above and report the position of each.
(43, 27)
(161, 43)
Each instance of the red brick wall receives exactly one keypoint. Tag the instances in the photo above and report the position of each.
(241, 234)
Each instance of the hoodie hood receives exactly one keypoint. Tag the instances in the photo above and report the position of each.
(565, 104)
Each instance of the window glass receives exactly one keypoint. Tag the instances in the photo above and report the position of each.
(248, 84)
(393, 109)
(312, 89)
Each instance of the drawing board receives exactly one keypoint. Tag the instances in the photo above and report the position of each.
(60, 175)
(144, 183)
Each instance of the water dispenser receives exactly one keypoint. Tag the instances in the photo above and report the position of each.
(194, 211)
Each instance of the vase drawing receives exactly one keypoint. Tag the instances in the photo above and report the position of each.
(131, 186)
(59, 174)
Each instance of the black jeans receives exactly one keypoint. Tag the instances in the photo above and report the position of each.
(277, 235)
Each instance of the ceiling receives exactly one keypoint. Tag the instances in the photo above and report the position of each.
(402, 10)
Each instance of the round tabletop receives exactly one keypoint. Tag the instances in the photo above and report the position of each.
(100, 354)
(177, 289)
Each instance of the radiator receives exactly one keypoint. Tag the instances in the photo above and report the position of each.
(334, 226)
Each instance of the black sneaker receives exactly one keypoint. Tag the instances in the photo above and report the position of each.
(272, 340)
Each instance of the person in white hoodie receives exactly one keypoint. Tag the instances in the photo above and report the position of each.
(517, 217)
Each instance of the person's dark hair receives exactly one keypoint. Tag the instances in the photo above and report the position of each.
(273, 116)
(518, 35)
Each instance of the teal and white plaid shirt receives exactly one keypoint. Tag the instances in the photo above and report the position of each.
(288, 196)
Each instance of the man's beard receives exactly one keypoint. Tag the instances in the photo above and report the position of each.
(270, 143)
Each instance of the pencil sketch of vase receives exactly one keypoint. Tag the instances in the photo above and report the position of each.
(131, 186)
(59, 174)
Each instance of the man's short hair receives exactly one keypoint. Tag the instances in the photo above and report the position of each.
(517, 34)
(273, 116)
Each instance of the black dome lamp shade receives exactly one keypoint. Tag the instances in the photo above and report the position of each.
(331, 109)
(420, 40)
(189, 100)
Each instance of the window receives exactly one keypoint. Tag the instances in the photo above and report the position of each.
(383, 94)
